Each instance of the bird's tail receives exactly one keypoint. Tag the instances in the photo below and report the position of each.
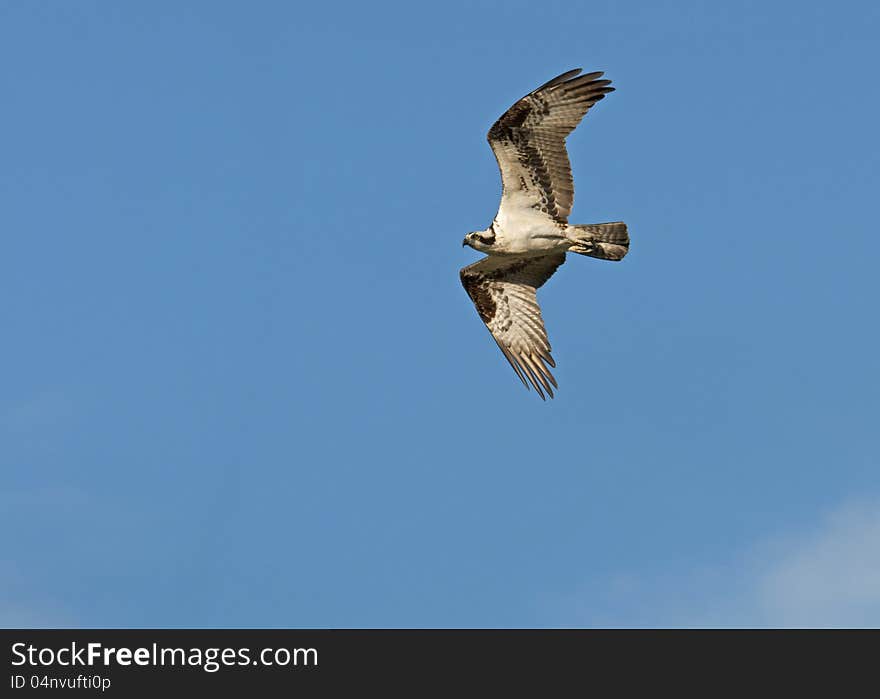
(607, 241)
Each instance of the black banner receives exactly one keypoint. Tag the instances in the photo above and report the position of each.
(124, 663)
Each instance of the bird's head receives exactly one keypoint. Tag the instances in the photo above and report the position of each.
(479, 240)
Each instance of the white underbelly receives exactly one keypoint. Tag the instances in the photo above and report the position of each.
(528, 233)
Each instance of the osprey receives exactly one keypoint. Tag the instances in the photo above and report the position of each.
(530, 234)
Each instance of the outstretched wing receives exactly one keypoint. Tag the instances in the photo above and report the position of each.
(503, 290)
(529, 144)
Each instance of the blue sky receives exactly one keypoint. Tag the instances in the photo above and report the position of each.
(243, 387)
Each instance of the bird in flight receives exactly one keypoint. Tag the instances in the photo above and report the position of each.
(530, 234)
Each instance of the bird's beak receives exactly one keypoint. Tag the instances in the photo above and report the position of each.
(464, 242)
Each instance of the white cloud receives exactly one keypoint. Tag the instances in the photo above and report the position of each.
(829, 578)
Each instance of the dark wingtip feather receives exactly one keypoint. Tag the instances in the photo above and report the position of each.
(533, 379)
(568, 75)
(511, 360)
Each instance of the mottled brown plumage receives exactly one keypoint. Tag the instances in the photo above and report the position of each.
(503, 290)
(529, 141)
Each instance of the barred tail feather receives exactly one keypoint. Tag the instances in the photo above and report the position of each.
(605, 241)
